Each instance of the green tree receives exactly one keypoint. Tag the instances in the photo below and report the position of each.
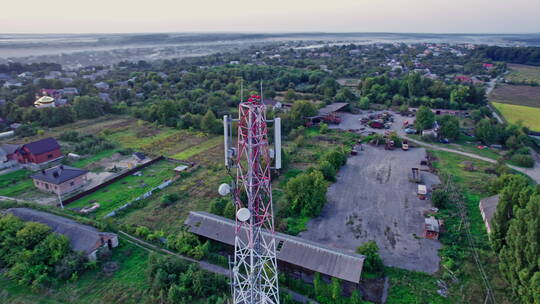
(290, 95)
(337, 157)
(218, 205)
(424, 118)
(345, 95)
(513, 195)
(230, 210)
(372, 262)
(459, 96)
(519, 257)
(301, 109)
(485, 131)
(364, 103)
(87, 107)
(209, 123)
(449, 127)
(328, 170)
(306, 193)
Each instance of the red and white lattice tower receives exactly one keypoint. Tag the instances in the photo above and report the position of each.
(254, 269)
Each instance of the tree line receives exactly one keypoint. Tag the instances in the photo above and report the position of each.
(516, 235)
(520, 55)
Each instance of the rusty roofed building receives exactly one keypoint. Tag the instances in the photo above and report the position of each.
(60, 179)
(300, 257)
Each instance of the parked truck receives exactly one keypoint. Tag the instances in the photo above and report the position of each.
(405, 145)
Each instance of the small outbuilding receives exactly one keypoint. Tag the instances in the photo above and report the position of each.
(422, 192)
(60, 179)
(488, 206)
(431, 228)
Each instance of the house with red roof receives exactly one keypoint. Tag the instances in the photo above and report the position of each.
(39, 152)
(488, 66)
(463, 79)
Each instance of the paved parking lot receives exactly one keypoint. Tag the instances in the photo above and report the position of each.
(373, 199)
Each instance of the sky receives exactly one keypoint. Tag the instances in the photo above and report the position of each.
(128, 16)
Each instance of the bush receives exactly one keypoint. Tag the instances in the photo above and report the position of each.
(25, 131)
(328, 170)
(169, 199)
(337, 157)
(306, 193)
(523, 160)
(323, 128)
(373, 262)
(439, 198)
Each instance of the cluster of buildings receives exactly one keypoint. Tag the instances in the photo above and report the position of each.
(50, 98)
(39, 155)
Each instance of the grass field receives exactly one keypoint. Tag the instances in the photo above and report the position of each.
(126, 189)
(15, 183)
(471, 184)
(127, 285)
(520, 95)
(521, 72)
(464, 144)
(514, 113)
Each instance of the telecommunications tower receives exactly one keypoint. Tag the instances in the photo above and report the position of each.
(254, 268)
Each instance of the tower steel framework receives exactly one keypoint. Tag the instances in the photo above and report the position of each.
(254, 269)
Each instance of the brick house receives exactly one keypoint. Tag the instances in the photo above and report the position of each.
(39, 152)
(60, 179)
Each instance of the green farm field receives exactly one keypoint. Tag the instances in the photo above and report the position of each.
(529, 116)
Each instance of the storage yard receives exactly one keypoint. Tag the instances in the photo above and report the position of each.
(373, 199)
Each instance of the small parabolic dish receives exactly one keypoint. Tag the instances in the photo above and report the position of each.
(243, 214)
(224, 189)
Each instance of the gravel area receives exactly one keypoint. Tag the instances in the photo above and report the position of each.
(373, 199)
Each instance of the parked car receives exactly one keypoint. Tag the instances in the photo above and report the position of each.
(445, 141)
(410, 131)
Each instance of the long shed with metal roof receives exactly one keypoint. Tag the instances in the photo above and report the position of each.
(290, 249)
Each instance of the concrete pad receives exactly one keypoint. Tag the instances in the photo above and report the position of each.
(373, 199)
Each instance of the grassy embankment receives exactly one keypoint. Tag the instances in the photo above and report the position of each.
(465, 144)
(414, 287)
(456, 252)
(126, 285)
